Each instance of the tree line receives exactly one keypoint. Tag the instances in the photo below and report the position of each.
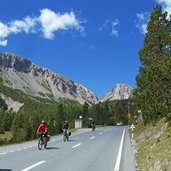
(23, 124)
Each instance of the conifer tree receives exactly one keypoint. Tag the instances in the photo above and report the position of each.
(154, 54)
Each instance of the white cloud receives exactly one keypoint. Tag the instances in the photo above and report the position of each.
(3, 42)
(105, 25)
(166, 4)
(143, 18)
(114, 31)
(4, 31)
(26, 25)
(141, 22)
(48, 22)
(51, 22)
(110, 25)
(14, 27)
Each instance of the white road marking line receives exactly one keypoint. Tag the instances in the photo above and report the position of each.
(34, 165)
(100, 133)
(92, 138)
(117, 165)
(4, 153)
(30, 146)
(76, 145)
(24, 147)
(11, 151)
(19, 149)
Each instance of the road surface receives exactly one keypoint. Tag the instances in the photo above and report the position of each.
(85, 151)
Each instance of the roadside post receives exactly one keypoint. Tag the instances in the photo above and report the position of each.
(78, 122)
(132, 127)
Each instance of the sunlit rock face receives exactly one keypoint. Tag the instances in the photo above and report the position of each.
(20, 73)
(120, 92)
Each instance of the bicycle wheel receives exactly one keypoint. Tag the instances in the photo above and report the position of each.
(67, 138)
(40, 144)
(45, 145)
(64, 138)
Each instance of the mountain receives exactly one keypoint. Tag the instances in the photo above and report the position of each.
(19, 73)
(120, 92)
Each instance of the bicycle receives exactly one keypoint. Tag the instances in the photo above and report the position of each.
(42, 142)
(93, 126)
(66, 135)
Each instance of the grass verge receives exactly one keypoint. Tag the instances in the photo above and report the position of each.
(153, 147)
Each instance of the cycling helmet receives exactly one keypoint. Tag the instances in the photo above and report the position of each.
(43, 122)
(66, 121)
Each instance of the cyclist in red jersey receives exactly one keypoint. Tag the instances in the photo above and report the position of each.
(42, 130)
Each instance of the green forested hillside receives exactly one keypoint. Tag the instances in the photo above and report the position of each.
(22, 125)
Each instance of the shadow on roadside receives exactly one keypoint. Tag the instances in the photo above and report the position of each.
(5, 169)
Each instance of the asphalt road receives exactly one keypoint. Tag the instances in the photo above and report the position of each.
(85, 151)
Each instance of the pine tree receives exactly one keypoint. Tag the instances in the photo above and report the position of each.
(153, 56)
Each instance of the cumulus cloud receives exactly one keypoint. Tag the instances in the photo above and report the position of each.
(48, 22)
(51, 22)
(110, 26)
(141, 21)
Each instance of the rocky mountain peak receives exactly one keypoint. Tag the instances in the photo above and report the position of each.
(119, 92)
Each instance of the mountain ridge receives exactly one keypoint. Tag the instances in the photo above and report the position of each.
(20, 73)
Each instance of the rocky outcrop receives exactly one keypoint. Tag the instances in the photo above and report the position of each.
(120, 92)
(20, 73)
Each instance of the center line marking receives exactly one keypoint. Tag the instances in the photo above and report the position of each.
(76, 145)
(92, 137)
(4, 153)
(34, 165)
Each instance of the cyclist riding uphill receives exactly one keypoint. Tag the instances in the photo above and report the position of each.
(42, 130)
(93, 124)
(65, 126)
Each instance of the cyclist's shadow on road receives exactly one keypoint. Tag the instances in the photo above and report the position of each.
(72, 140)
(50, 148)
(5, 169)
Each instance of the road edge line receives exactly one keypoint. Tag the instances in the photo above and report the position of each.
(118, 161)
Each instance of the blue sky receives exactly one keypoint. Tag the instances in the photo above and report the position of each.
(93, 42)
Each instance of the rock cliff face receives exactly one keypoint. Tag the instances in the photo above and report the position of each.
(120, 92)
(20, 73)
